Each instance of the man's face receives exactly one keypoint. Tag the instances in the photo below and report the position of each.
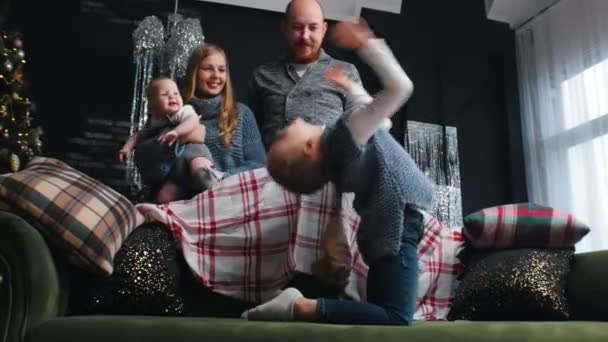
(304, 30)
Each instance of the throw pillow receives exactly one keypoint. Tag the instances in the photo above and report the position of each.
(522, 225)
(150, 277)
(86, 219)
(513, 284)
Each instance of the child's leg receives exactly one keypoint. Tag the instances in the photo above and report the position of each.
(391, 294)
(192, 167)
(169, 191)
(153, 160)
(391, 291)
(202, 177)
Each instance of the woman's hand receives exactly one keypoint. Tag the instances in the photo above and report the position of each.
(168, 137)
(197, 136)
(123, 153)
(352, 35)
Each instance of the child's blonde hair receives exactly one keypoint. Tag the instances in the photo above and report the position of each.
(152, 85)
(297, 173)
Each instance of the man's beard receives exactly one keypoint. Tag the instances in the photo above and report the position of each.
(305, 59)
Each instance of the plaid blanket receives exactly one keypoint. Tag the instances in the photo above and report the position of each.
(247, 237)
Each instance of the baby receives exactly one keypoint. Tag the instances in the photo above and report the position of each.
(389, 191)
(177, 170)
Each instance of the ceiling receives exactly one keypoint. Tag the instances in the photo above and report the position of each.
(515, 12)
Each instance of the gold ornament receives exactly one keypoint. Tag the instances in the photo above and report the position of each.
(5, 134)
(14, 162)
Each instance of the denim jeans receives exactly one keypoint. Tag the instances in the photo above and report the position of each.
(391, 286)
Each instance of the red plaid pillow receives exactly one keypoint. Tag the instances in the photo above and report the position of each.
(522, 225)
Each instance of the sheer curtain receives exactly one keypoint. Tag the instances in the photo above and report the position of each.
(563, 71)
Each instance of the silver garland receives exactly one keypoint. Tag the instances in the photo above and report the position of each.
(148, 43)
(183, 36)
(153, 54)
(425, 144)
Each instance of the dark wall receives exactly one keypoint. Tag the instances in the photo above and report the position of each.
(462, 65)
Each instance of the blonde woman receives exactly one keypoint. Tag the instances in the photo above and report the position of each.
(232, 134)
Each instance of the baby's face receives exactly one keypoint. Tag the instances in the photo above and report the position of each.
(165, 98)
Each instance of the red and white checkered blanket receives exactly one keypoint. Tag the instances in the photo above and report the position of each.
(247, 237)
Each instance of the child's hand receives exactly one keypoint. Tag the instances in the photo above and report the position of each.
(123, 154)
(168, 137)
(352, 35)
(337, 75)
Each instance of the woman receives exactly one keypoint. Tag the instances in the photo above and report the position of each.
(232, 134)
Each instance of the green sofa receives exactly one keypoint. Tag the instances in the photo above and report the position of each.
(33, 306)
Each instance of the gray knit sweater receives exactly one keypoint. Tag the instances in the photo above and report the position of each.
(246, 150)
(277, 94)
(384, 179)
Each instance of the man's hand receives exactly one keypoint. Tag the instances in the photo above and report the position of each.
(352, 35)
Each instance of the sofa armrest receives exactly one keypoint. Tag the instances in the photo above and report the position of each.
(29, 285)
(587, 292)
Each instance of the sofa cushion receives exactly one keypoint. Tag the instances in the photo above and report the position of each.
(87, 220)
(187, 329)
(513, 284)
(522, 225)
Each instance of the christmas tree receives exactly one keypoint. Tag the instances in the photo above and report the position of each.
(19, 142)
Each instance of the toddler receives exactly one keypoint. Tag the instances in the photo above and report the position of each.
(389, 191)
(175, 170)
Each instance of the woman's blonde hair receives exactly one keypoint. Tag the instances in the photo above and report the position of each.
(228, 116)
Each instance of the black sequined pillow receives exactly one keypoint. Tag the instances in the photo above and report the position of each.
(150, 278)
(513, 285)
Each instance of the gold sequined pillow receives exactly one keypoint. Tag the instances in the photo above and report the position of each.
(513, 285)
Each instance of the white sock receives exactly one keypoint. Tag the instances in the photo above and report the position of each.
(280, 308)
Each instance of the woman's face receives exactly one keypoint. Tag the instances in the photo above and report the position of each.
(211, 75)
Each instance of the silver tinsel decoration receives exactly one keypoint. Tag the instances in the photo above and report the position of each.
(425, 143)
(148, 43)
(153, 56)
(184, 35)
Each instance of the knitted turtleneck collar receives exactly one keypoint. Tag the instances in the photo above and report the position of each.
(207, 108)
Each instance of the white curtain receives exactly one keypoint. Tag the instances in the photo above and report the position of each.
(563, 72)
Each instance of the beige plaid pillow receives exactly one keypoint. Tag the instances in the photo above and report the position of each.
(85, 218)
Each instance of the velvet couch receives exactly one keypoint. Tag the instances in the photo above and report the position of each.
(34, 297)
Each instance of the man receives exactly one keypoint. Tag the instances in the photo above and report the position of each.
(294, 85)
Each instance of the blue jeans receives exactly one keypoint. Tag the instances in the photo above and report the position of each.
(391, 286)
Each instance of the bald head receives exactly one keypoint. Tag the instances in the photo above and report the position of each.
(303, 5)
(304, 28)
